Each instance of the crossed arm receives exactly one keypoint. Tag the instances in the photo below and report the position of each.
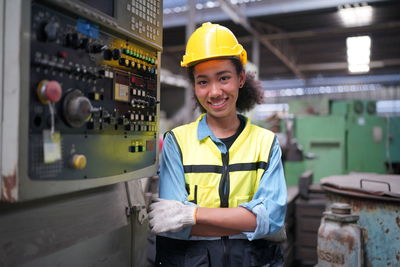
(171, 216)
(223, 221)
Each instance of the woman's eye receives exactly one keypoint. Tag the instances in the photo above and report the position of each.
(201, 82)
(225, 78)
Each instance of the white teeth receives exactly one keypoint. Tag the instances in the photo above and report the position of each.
(217, 104)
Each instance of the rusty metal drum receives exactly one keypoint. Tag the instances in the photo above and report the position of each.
(340, 238)
(375, 198)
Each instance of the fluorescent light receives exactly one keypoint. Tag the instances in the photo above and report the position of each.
(210, 4)
(363, 42)
(358, 56)
(359, 68)
(177, 9)
(358, 53)
(356, 14)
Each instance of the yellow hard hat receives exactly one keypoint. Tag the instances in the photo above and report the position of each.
(212, 41)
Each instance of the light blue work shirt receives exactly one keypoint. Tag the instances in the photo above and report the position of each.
(268, 203)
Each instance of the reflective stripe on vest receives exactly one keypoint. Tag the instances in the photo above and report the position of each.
(210, 182)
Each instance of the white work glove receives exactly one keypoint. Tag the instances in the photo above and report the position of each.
(170, 215)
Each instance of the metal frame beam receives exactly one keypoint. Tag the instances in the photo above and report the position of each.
(343, 65)
(237, 16)
(307, 34)
(254, 9)
(330, 81)
(327, 32)
(255, 55)
(324, 32)
(191, 15)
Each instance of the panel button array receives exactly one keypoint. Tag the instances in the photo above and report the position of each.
(145, 17)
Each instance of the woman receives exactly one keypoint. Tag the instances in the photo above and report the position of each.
(222, 187)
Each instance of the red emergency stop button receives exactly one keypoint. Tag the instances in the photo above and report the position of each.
(49, 91)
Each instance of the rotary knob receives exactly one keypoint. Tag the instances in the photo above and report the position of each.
(96, 48)
(49, 91)
(107, 54)
(152, 101)
(78, 161)
(48, 31)
(77, 109)
(116, 54)
(51, 30)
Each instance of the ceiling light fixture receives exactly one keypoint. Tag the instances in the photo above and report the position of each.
(199, 6)
(210, 4)
(358, 53)
(356, 14)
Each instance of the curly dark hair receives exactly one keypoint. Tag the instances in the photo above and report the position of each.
(249, 95)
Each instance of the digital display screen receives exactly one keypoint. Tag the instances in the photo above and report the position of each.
(151, 85)
(121, 88)
(137, 81)
(104, 6)
(122, 78)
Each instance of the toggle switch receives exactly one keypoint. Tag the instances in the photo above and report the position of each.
(132, 149)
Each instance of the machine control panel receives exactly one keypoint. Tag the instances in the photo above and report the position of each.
(93, 99)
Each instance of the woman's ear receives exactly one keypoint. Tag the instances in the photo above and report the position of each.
(242, 78)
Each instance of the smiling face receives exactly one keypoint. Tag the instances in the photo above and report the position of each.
(216, 86)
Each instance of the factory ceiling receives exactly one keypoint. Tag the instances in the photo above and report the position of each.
(296, 39)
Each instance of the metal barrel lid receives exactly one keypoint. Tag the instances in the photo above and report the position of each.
(365, 185)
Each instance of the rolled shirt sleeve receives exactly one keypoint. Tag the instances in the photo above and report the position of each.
(172, 181)
(269, 201)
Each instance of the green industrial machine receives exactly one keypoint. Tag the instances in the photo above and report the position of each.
(337, 137)
(393, 144)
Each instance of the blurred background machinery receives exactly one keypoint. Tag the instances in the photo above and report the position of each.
(374, 200)
(330, 137)
(338, 137)
(80, 117)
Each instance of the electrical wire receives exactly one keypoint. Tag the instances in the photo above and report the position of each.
(52, 120)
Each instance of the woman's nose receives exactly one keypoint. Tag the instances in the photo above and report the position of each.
(215, 90)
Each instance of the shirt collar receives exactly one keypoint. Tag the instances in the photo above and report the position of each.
(204, 131)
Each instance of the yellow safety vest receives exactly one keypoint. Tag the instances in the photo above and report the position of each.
(215, 179)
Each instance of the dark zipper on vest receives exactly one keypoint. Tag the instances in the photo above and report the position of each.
(224, 182)
(224, 201)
